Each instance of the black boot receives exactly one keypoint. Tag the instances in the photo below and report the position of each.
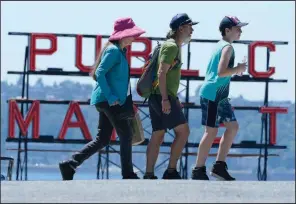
(199, 173)
(131, 176)
(150, 176)
(66, 170)
(171, 174)
(219, 171)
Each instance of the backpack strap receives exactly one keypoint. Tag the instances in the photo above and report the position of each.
(176, 58)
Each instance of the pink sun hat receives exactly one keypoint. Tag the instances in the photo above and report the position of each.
(125, 27)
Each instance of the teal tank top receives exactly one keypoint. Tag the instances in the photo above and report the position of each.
(216, 88)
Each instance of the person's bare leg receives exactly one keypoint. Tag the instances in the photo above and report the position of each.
(153, 150)
(227, 140)
(182, 133)
(205, 145)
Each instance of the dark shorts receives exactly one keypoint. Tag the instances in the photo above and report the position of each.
(215, 113)
(162, 121)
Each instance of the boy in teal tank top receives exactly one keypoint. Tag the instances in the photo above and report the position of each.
(215, 105)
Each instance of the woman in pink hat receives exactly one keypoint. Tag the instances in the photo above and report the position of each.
(113, 100)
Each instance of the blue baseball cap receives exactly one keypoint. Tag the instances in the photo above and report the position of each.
(181, 19)
(230, 21)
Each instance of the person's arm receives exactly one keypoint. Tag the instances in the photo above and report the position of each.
(109, 59)
(223, 69)
(163, 69)
(167, 57)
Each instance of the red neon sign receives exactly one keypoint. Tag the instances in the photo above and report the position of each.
(35, 51)
(144, 54)
(74, 108)
(272, 120)
(78, 54)
(252, 71)
(32, 115)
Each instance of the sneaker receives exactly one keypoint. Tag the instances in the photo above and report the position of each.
(66, 170)
(171, 174)
(131, 176)
(149, 176)
(199, 173)
(219, 171)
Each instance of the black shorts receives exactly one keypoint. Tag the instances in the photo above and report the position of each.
(215, 113)
(162, 121)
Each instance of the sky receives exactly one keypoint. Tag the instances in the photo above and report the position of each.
(268, 21)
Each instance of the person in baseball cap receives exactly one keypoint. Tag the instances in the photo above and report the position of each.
(215, 106)
(164, 106)
(180, 20)
(228, 22)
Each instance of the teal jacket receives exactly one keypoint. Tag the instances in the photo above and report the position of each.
(112, 76)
